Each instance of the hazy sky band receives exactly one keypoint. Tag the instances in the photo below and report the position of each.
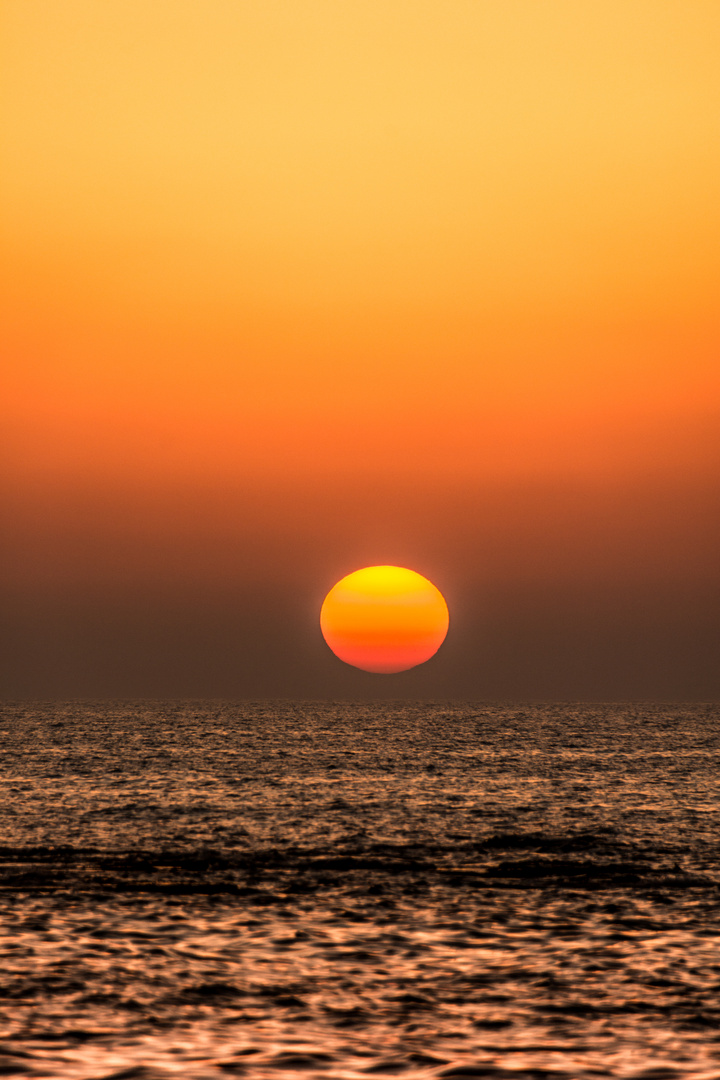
(292, 289)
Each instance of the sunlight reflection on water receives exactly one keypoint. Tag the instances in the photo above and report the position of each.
(202, 889)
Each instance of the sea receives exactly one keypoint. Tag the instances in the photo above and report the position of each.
(207, 889)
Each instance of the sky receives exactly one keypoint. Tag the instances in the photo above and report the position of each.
(295, 288)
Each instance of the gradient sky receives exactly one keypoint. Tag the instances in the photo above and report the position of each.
(291, 288)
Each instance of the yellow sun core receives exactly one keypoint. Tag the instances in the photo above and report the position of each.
(384, 619)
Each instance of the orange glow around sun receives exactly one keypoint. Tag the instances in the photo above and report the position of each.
(384, 619)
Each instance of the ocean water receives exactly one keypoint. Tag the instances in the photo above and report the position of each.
(206, 889)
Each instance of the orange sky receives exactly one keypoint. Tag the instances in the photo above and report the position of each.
(289, 288)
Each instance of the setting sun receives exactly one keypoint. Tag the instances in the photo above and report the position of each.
(384, 619)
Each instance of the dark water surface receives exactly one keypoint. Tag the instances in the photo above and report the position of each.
(218, 890)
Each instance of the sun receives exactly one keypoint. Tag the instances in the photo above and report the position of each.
(384, 619)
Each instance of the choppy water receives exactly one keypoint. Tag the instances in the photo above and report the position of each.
(215, 890)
